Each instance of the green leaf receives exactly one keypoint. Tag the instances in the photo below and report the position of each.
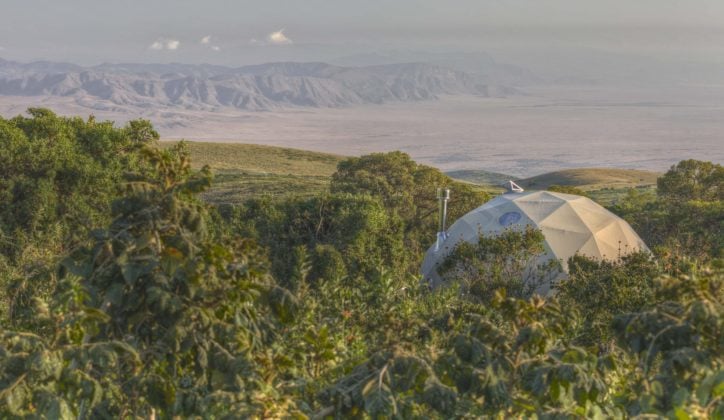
(378, 400)
(681, 414)
(16, 400)
(133, 271)
(680, 397)
(57, 409)
(657, 389)
(719, 389)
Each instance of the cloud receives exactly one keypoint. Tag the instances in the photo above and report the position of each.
(274, 38)
(207, 42)
(165, 44)
(157, 45)
(278, 38)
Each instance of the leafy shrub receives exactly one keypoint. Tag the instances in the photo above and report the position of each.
(190, 313)
(58, 177)
(357, 226)
(685, 220)
(407, 190)
(509, 261)
(520, 360)
(601, 290)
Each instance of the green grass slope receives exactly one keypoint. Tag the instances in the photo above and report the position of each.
(480, 177)
(254, 158)
(242, 171)
(590, 179)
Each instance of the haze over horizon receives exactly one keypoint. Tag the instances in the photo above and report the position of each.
(563, 80)
(250, 32)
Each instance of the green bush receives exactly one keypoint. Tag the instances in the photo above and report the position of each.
(407, 190)
(509, 261)
(58, 177)
(685, 220)
(602, 290)
(357, 226)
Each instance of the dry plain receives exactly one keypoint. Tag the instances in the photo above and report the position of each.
(552, 128)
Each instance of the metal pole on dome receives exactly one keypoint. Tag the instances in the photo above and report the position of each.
(443, 195)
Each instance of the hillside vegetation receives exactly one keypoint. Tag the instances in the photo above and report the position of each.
(589, 179)
(254, 158)
(123, 294)
(604, 185)
(242, 171)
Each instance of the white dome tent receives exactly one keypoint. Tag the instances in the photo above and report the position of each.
(571, 225)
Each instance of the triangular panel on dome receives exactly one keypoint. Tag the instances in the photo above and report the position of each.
(633, 241)
(611, 240)
(595, 217)
(499, 201)
(479, 219)
(564, 243)
(591, 249)
(499, 218)
(538, 197)
(565, 218)
(538, 210)
(461, 230)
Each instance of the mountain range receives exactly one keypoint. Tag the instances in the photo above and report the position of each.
(261, 87)
(478, 64)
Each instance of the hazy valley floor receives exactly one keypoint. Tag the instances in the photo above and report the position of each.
(549, 129)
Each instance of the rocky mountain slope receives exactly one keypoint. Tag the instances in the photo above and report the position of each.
(254, 88)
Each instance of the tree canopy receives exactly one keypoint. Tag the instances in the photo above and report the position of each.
(128, 296)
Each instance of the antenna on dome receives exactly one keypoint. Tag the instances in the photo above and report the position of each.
(515, 188)
(443, 195)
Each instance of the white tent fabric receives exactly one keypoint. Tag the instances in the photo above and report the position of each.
(571, 225)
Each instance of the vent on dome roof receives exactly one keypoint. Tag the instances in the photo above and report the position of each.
(514, 188)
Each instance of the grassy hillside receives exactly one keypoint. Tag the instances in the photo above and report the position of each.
(480, 177)
(605, 185)
(254, 158)
(589, 179)
(245, 170)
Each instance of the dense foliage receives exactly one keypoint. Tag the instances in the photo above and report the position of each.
(508, 262)
(685, 218)
(379, 213)
(407, 190)
(58, 177)
(131, 297)
(59, 174)
(600, 290)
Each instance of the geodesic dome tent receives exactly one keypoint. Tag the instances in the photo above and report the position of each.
(571, 225)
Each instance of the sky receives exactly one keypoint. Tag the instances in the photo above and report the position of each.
(245, 32)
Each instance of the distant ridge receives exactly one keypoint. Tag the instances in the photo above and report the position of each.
(254, 88)
(479, 64)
